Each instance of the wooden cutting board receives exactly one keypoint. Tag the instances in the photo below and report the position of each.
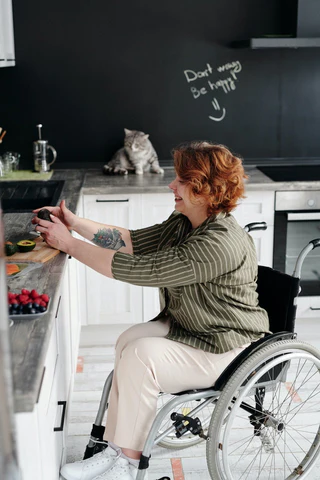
(40, 254)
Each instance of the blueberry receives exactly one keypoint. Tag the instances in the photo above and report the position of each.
(35, 305)
(33, 310)
(42, 309)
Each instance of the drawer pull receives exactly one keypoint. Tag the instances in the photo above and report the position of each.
(60, 429)
(111, 201)
(57, 311)
(314, 308)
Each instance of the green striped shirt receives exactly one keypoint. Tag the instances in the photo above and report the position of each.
(206, 277)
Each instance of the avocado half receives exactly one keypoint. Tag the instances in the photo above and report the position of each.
(10, 248)
(25, 245)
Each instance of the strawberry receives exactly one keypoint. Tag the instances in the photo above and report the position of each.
(23, 298)
(45, 297)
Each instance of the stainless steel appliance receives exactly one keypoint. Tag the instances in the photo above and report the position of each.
(297, 222)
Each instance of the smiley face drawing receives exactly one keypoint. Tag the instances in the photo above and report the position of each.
(216, 106)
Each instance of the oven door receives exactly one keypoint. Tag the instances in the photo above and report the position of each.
(292, 232)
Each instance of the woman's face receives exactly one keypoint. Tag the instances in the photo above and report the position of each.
(192, 207)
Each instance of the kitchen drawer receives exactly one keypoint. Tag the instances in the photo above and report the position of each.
(49, 370)
(256, 207)
(52, 424)
(308, 307)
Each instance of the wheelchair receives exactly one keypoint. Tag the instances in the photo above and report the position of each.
(261, 418)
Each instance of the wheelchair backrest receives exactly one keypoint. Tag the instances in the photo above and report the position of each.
(277, 292)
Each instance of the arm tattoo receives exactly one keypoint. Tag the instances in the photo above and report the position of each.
(107, 238)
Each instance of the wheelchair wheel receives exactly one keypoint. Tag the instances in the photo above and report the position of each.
(266, 422)
(188, 439)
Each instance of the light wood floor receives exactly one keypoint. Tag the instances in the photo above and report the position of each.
(94, 364)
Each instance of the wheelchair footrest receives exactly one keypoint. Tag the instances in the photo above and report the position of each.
(94, 446)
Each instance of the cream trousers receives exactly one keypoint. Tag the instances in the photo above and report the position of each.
(146, 363)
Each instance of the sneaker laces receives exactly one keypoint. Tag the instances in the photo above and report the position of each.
(101, 454)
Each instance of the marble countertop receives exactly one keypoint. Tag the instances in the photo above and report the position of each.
(30, 338)
(96, 183)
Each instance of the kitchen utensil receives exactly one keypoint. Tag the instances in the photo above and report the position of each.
(40, 254)
(2, 136)
(10, 162)
(41, 153)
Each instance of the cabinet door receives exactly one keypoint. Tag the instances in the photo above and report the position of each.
(155, 209)
(110, 301)
(74, 292)
(28, 445)
(7, 57)
(259, 207)
(51, 441)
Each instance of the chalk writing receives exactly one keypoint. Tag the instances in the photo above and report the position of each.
(225, 85)
(216, 106)
(235, 66)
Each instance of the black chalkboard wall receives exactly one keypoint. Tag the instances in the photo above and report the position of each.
(86, 70)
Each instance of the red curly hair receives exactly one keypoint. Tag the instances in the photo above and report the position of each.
(212, 172)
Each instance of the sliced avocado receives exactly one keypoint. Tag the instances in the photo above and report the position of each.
(26, 245)
(44, 214)
(10, 249)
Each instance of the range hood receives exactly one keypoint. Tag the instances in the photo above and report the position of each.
(305, 25)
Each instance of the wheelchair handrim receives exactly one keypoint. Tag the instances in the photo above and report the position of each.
(249, 371)
(249, 385)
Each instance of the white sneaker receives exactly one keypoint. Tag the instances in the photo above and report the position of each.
(91, 467)
(120, 470)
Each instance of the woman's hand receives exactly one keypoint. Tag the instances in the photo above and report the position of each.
(55, 233)
(61, 212)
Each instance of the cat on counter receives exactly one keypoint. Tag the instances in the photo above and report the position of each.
(137, 155)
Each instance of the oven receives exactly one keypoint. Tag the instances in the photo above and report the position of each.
(297, 222)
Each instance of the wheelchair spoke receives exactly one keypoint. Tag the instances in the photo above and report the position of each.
(269, 429)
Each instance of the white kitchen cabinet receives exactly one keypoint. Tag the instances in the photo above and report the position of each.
(259, 207)
(308, 307)
(74, 287)
(42, 433)
(155, 208)
(109, 301)
(7, 55)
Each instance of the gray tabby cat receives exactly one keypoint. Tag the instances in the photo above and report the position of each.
(137, 155)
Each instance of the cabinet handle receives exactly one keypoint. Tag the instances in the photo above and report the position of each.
(60, 429)
(57, 311)
(111, 201)
(314, 308)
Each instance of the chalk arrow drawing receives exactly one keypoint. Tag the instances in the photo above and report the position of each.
(216, 106)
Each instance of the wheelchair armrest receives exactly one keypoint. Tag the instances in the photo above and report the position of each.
(252, 348)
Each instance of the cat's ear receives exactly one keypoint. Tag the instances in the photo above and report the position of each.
(146, 135)
(127, 132)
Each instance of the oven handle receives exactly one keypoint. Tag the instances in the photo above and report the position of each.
(303, 216)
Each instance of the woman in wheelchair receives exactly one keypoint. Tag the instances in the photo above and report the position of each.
(205, 267)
